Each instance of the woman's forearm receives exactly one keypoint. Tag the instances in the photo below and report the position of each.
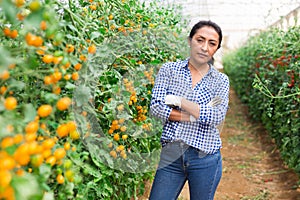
(177, 115)
(190, 107)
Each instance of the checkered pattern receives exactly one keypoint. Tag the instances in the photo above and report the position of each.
(175, 78)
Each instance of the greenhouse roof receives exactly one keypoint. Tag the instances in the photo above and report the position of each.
(237, 18)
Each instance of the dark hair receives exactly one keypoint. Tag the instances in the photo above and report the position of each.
(203, 23)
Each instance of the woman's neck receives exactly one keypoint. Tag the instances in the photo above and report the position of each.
(197, 73)
(200, 67)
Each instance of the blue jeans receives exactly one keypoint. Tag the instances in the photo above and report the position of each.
(180, 163)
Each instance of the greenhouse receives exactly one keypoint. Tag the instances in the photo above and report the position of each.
(125, 99)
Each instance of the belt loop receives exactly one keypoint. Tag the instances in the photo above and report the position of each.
(181, 144)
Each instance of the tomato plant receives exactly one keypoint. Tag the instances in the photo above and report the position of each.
(268, 65)
(75, 87)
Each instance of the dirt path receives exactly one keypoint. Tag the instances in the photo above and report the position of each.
(252, 168)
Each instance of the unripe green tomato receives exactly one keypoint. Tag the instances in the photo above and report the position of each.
(58, 171)
(58, 53)
(61, 196)
(46, 15)
(77, 179)
(86, 158)
(68, 164)
(50, 32)
(59, 37)
(85, 171)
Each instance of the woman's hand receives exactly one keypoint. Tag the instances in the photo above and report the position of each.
(173, 100)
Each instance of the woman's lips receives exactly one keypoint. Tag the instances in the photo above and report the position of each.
(202, 55)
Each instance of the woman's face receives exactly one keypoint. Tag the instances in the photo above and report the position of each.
(203, 45)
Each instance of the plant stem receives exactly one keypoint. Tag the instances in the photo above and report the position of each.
(265, 90)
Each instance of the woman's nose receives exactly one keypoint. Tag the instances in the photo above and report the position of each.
(204, 46)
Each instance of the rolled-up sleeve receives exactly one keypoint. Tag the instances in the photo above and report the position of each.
(158, 108)
(215, 115)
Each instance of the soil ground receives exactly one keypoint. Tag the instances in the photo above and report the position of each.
(252, 167)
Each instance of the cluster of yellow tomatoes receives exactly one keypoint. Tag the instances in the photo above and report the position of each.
(31, 150)
(117, 125)
(49, 138)
(25, 149)
(118, 128)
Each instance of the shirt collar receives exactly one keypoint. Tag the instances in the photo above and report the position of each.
(185, 63)
(212, 70)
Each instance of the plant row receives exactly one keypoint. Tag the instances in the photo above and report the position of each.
(265, 73)
(75, 86)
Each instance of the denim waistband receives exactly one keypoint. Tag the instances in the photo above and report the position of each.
(182, 144)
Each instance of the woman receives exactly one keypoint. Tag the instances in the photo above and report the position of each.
(191, 98)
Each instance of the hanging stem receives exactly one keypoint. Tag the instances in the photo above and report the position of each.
(265, 90)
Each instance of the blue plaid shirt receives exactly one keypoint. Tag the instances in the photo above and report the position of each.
(175, 78)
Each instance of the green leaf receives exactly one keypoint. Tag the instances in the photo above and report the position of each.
(9, 10)
(73, 28)
(18, 85)
(29, 112)
(32, 62)
(95, 35)
(51, 97)
(102, 30)
(3, 124)
(82, 95)
(10, 150)
(48, 196)
(155, 62)
(34, 19)
(27, 187)
(45, 170)
(5, 59)
(127, 7)
(70, 86)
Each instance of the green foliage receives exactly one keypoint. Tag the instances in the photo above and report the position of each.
(265, 73)
(118, 142)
